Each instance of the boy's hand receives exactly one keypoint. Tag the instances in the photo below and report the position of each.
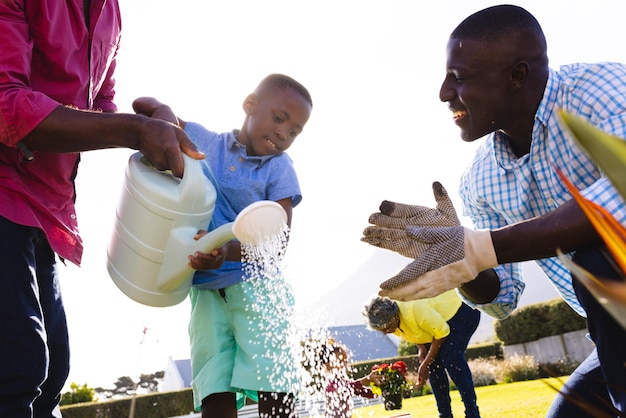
(210, 261)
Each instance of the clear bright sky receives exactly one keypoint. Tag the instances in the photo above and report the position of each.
(378, 131)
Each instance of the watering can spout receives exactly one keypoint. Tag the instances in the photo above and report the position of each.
(175, 270)
(256, 224)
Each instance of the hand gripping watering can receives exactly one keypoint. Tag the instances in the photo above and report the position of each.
(157, 218)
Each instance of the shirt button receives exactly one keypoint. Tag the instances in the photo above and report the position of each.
(73, 216)
(536, 158)
(550, 202)
(240, 158)
(232, 168)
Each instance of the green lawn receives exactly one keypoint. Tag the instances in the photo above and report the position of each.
(529, 399)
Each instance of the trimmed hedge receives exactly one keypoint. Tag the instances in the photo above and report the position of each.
(491, 349)
(539, 320)
(154, 405)
(488, 349)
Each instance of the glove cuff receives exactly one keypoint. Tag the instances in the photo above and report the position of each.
(479, 252)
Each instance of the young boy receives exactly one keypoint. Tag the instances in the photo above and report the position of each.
(239, 328)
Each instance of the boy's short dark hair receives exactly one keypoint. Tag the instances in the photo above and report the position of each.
(284, 81)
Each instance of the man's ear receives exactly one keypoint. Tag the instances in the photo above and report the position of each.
(249, 103)
(519, 73)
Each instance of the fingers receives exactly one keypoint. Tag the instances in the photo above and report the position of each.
(174, 154)
(190, 148)
(410, 273)
(409, 215)
(444, 204)
(428, 285)
(453, 235)
(410, 291)
(400, 215)
(387, 221)
(413, 282)
(174, 161)
(439, 191)
(373, 234)
(395, 241)
(402, 210)
(163, 144)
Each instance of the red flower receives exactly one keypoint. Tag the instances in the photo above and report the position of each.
(394, 377)
(400, 366)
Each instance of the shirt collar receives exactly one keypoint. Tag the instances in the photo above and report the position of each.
(502, 152)
(237, 147)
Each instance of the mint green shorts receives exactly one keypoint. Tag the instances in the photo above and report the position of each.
(243, 344)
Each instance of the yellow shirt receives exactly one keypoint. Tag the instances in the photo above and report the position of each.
(425, 319)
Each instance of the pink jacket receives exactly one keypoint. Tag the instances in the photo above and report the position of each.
(50, 58)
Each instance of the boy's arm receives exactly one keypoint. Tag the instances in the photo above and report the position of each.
(288, 207)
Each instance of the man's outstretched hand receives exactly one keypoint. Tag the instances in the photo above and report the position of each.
(388, 229)
(453, 256)
(446, 255)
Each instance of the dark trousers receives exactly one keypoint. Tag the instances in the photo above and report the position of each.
(451, 359)
(600, 381)
(34, 350)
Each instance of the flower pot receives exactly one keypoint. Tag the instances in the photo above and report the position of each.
(392, 401)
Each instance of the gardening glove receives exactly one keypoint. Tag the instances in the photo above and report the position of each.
(389, 226)
(451, 257)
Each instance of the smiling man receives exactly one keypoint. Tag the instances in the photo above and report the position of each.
(499, 86)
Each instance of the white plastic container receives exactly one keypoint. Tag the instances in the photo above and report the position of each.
(156, 219)
(152, 204)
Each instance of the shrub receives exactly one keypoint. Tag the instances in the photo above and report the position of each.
(167, 404)
(490, 349)
(406, 348)
(559, 368)
(78, 394)
(518, 368)
(532, 322)
(484, 371)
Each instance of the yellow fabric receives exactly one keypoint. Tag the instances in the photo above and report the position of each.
(424, 319)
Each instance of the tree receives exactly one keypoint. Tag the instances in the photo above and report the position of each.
(125, 386)
(150, 382)
(78, 394)
(406, 348)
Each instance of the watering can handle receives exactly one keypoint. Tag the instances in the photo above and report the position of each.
(192, 187)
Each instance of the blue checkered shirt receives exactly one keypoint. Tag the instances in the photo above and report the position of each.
(499, 189)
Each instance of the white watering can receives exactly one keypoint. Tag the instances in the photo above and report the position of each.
(157, 218)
